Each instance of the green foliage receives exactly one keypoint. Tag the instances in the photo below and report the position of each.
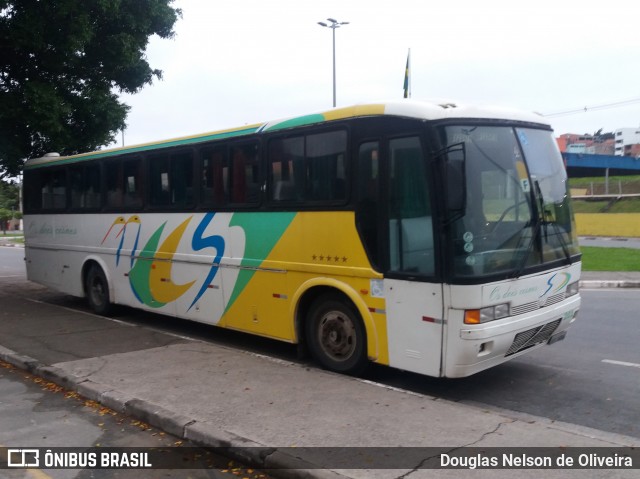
(629, 184)
(5, 215)
(62, 63)
(623, 205)
(610, 259)
(9, 196)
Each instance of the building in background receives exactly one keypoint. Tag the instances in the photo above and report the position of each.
(596, 144)
(623, 142)
(627, 142)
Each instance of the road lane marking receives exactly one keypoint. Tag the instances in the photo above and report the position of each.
(621, 363)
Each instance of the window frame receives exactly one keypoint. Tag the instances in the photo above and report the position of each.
(84, 168)
(170, 157)
(309, 204)
(120, 161)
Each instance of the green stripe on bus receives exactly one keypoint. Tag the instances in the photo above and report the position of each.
(299, 121)
(262, 232)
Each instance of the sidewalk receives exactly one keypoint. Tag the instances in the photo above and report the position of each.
(276, 412)
(610, 279)
(9, 241)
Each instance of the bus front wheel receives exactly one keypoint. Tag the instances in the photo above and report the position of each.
(97, 289)
(336, 336)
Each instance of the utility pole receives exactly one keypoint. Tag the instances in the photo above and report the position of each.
(333, 25)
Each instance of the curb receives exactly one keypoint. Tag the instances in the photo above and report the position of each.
(201, 433)
(6, 244)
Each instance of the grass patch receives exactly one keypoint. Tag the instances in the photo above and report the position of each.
(629, 182)
(610, 259)
(584, 206)
(624, 205)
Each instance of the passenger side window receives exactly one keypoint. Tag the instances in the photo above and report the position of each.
(243, 186)
(85, 187)
(308, 169)
(214, 176)
(132, 180)
(286, 157)
(123, 183)
(53, 189)
(171, 180)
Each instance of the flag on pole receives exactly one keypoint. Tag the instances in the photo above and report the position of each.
(407, 87)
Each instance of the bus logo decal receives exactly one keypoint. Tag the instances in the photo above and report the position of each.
(123, 231)
(162, 288)
(198, 243)
(566, 278)
(150, 274)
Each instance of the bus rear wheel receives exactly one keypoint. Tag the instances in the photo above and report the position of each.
(336, 336)
(97, 290)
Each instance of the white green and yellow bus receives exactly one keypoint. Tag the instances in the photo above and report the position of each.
(433, 238)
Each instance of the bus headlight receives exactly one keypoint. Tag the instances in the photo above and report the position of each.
(484, 315)
(572, 289)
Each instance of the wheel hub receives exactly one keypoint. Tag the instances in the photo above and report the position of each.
(337, 336)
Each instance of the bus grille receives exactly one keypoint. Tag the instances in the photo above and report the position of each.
(532, 337)
(528, 307)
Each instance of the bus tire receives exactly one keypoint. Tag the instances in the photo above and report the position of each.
(336, 335)
(97, 290)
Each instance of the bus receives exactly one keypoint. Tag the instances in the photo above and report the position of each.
(432, 238)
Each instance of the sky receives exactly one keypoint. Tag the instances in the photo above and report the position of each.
(233, 63)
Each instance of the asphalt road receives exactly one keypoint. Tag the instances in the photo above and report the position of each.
(592, 378)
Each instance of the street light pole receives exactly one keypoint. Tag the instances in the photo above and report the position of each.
(333, 25)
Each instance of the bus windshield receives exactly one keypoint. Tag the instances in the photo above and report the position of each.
(517, 215)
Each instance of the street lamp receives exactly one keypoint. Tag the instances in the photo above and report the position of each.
(333, 25)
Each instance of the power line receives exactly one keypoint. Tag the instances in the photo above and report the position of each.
(594, 108)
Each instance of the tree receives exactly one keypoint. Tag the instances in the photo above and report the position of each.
(9, 203)
(5, 216)
(9, 195)
(62, 65)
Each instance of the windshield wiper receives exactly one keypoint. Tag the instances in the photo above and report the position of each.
(527, 252)
(558, 230)
(561, 240)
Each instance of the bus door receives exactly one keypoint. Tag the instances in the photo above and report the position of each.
(414, 306)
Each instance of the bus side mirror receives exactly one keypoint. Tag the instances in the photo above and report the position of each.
(455, 180)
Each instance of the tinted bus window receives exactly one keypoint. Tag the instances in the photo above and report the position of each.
(123, 183)
(171, 180)
(243, 186)
(285, 156)
(214, 176)
(85, 186)
(310, 168)
(53, 189)
(325, 166)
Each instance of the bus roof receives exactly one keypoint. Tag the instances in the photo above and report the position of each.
(403, 108)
